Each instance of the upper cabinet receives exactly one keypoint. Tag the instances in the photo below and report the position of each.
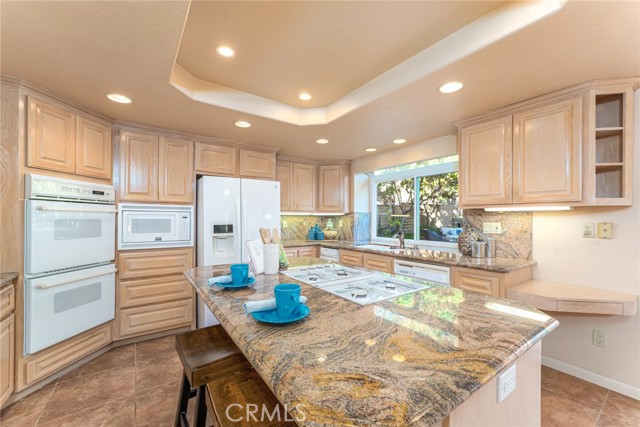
(63, 141)
(154, 169)
(314, 187)
(216, 159)
(573, 147)
(257, 164)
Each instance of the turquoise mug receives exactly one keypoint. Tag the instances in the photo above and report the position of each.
(239, 273)
(287, 299)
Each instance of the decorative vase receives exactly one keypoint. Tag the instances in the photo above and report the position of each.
(466, 239)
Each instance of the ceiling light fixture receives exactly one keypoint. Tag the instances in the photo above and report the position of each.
(225, 51)
(451, 87)
(370, 150)
(304, 96)
(399, 141)
(243, 124)
(322, 141)
(115, 97)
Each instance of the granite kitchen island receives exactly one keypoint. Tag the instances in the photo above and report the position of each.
(412, 360)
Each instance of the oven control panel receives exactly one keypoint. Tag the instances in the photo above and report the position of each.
(53, 188)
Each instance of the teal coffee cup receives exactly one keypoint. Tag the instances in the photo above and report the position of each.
(287, 299)
(239, 273)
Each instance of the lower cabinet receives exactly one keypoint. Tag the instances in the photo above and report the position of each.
(378, 262)
(489, 282)
(7, 361)
(153, 294)
(301, 251)
(351, 258)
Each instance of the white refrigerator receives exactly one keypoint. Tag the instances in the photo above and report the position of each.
(230, 211)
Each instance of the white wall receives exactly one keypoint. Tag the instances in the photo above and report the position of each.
(564, 256)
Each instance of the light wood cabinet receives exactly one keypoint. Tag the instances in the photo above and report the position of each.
(303, 185)
(333, 188)
(352, 258)
(7, 342)
(156, 169)
(257, 164)
(547, 153)
(283, 175)
(175, 169)
(489, 282)
(61, 141)
(300, 251)
(291, 252)
(378, 262)
(216, 159)
(153, 294)
(51, 137)
(485, 162)
(93, 149)
(138, 167)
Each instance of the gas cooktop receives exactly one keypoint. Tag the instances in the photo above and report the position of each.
(359, 286)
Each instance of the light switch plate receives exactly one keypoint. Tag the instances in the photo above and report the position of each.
(284, 223)
(588, 230)
(605, 230)
(492, 228)
(506, 383)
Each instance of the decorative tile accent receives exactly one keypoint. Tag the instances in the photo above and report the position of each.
(298, 226)
(516, 238)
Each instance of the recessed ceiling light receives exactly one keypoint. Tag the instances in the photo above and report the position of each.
(399, 141)
(322, 141)
(225, 51)
(370, 150)
(451, 87)
(242, 124)
(304, 96)
(119, 98)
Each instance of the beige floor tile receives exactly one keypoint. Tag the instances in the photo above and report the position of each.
(158, 347)
(25, 412)
(605, 421)
(580, 391)
(623, 408)
(112, 413)
(115, 358)
(157, 406)
(560, 411)
(162, 370)
(89, 392)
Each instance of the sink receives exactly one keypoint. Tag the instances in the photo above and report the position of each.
(383, 248)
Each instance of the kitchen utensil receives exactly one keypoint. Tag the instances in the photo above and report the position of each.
(491, 247)
(263, 235)
(275, 236)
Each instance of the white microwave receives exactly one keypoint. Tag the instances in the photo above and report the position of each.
(154, 226)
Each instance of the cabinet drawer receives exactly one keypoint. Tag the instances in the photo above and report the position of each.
(149, 263)
(72, 350)
(7, 301)
(291, 252)
(137, 292)
(7, 357)
(351, 258)
(216, 159)
(308, 251)
(155, 317)
(477, 283)
(376, 262)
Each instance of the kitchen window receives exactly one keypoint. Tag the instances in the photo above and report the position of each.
(421, 199)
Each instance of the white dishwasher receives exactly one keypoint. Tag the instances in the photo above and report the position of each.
(430, 272)
(330, 254)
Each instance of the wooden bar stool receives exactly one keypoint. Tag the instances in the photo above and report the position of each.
(206, 354)
(228, 399)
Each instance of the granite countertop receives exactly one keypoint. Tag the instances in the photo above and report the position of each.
(7, 278)
(407, 361)
(498, 264)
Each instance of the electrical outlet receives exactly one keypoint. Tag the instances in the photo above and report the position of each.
(339, 223)
(599, 338)
(588, 230)
(284, 223)
(506, 383)
(605, 230)
(492, 228)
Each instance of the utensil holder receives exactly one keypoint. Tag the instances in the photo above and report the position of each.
(271, 258)
(491, 248)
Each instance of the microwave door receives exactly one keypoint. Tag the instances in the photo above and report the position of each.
(150, 227)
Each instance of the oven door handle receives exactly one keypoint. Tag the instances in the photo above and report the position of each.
(75, 279)
(94, 210)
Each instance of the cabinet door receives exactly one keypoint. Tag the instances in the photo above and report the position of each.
(175, 169)
(469, 280)
(304, 187)
(485, 163)
(93, 149)
(283, 175)
(257, 164)
(7, 357)
(547, 153)
(51, 137)
(378, 262)
(154, 318)
(331, 194)
(216, 159)
(139, 167)
(351, 258)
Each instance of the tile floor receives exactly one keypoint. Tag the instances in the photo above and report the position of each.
(137, 385)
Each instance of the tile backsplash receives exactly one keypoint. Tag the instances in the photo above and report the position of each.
(298, 225)
(515, 241)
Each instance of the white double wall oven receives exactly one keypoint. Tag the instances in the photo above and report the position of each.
(69, 259)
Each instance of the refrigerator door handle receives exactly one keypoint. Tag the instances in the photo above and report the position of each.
(239, 233)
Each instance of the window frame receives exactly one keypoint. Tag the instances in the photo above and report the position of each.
(407, 174)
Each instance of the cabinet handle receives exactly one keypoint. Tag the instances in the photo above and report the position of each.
(74, 279)
(95, 210)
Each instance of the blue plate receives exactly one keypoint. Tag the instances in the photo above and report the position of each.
(270, 316)
(249, 282)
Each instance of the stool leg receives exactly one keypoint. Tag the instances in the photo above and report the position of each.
(183, 400)
(201, 407)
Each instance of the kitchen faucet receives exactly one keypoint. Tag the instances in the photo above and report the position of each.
(400, 237)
